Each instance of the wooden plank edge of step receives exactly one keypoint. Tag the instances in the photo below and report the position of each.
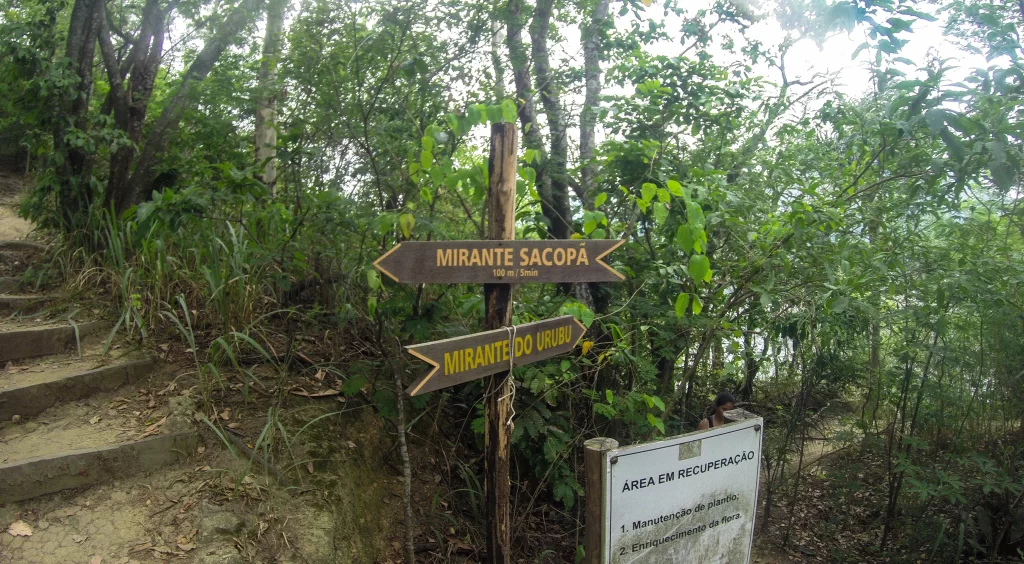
(43, 475)
(41, 341)
(19, 245)
(33, 399)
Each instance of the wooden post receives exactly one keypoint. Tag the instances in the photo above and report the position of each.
(593, 467)
(498, 300)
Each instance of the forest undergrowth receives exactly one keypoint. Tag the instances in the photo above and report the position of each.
(842, 250)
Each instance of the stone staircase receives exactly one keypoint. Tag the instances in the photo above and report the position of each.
(73, 411)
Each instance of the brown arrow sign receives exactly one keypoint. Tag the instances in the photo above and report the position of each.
(461, 359)
(503, 262)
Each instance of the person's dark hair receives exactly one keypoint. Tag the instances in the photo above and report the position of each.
(724, 398)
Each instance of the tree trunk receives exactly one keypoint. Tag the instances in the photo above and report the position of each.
(129, 105)
(141, 181)
(557, 210)
(590, 34)
(532, 138)
(74, 163)
(269, 91)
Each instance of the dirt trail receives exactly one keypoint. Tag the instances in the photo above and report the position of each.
(12, 227)
(82, 447)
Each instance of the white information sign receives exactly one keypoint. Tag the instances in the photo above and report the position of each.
(690, 499)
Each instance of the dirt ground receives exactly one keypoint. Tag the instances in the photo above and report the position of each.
(11, 226)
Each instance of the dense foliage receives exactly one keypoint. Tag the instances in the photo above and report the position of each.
(854, 262)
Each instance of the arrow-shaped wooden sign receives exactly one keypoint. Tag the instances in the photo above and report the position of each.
(461, 359)
(503, 262)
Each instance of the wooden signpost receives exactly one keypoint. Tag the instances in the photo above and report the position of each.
(484, 262)
(462, 359)
(498, 263)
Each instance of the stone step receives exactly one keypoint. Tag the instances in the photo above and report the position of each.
(52, 472)
(24, 304)
(27, 340)
(29, 390)
(19, 246)
(107, 436)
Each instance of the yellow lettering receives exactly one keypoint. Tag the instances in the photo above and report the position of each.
(524, 256)
(504, 351)
(508, 257)
(546, 258)
(480, 361)
(487, 259)
(474, 257)
(570, 255)
(467, 356)
(463, 257)
(583, 257)
(559, 261)
(444, 257)
(449, 363)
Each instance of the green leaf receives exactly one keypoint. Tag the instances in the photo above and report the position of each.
(407, 221)
(1003, 174)
(996, 149)
(660, 212)
(372, 278)
(600, 199)
(426, 160)
(608, 395)
(371, 304)
(647, 192)
(682, 302)
(598, 234)
(589, 226)
(675, 188)
(413, 168)
(605, 410)
(495, 114)
(698, 306)
(474, 115)
(657, 402)
(695, 215)
(664, 196)
(700, 268)
(684, 238)
(427, 142)
(508, 111)
(656, 422)
(354, 384)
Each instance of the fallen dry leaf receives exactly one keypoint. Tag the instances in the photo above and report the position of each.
(96, 560)
(154, 428)
(79, 538)
(234, 425)
(226, 414)
(95, 420)
(309, 466)
(19, 528)
(320, 374)
(186, 546)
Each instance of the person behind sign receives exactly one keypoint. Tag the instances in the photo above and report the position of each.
(724, 402)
